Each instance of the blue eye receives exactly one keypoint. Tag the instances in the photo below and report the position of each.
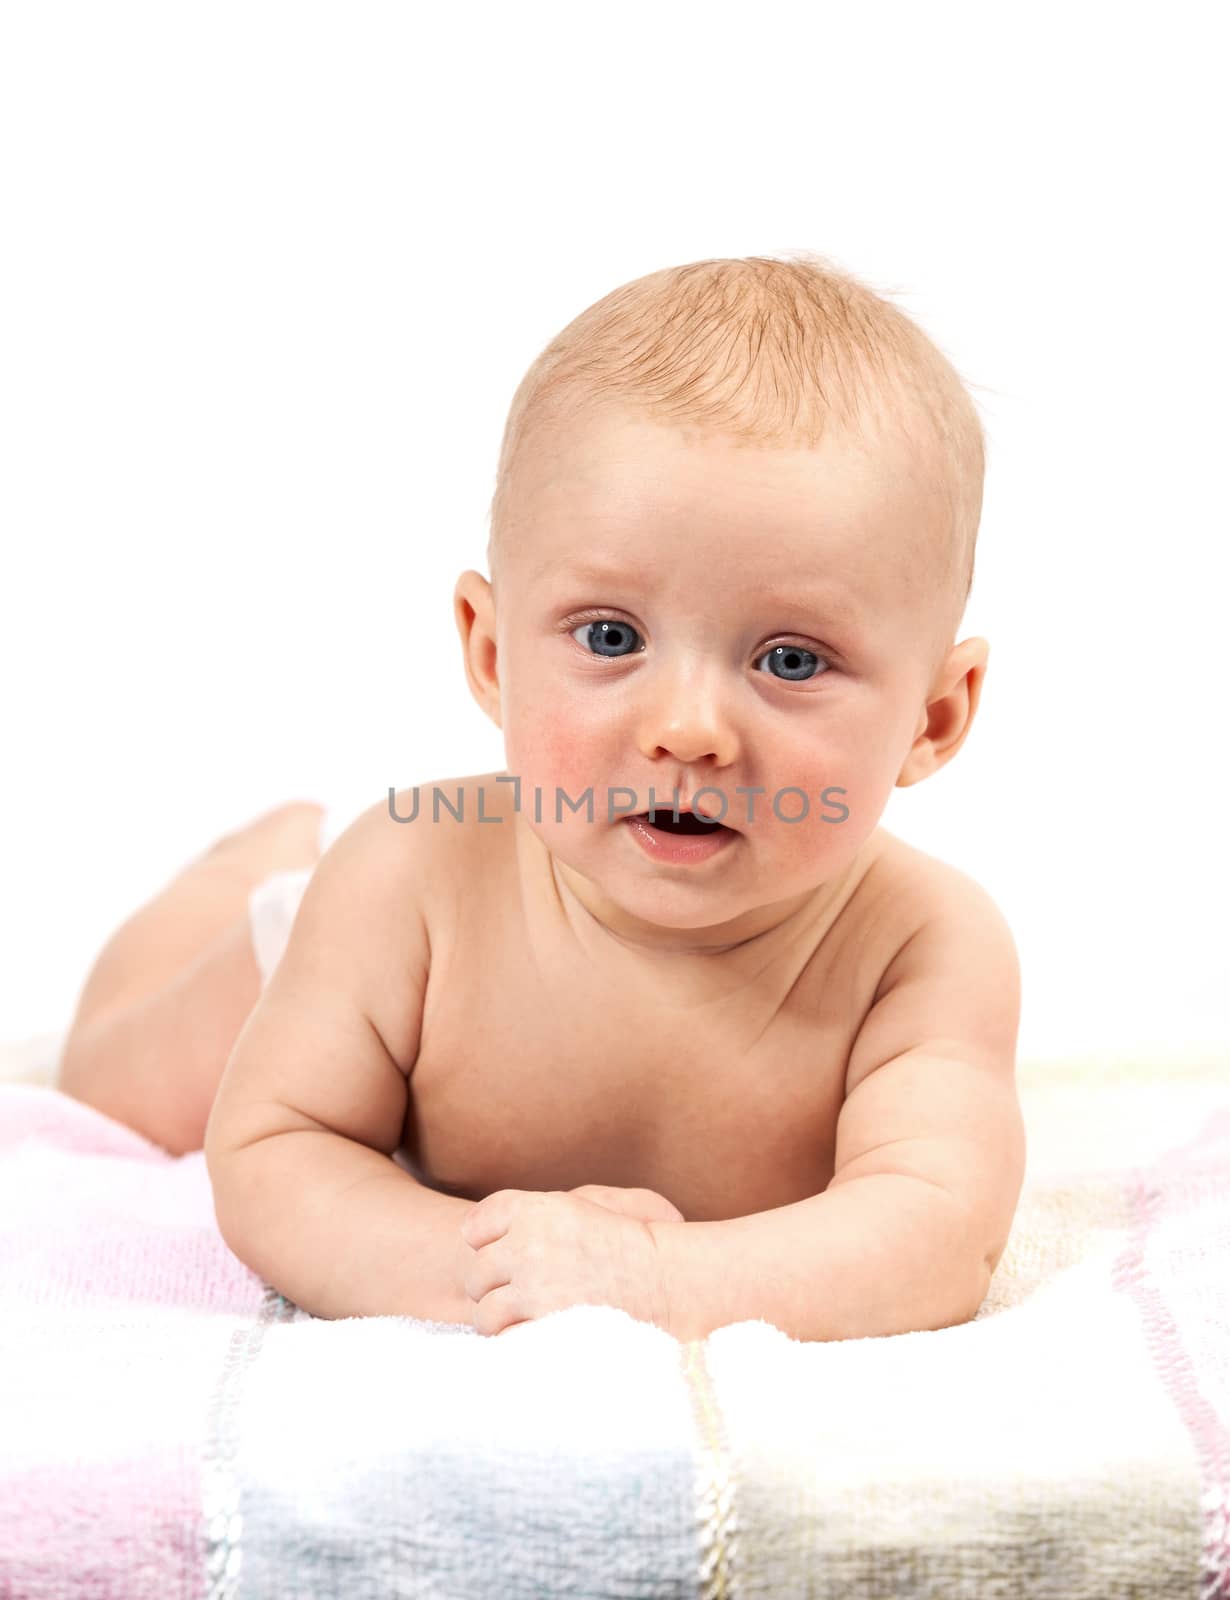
(795, 662)
(613, 639)
(610, 637)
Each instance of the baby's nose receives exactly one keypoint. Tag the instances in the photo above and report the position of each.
(688, 721)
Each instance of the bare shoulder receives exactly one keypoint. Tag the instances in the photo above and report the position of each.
(370, 906)
(950, 977)
(452, 831)
(423, 850)
(430, 825)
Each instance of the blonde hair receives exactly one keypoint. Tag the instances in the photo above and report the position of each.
(768, 350)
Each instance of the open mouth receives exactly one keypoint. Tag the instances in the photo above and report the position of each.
(688, 822)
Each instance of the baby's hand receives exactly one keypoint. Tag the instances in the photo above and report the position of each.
(644, 1204)
(535, 1251)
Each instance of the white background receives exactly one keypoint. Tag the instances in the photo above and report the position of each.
(271, 274)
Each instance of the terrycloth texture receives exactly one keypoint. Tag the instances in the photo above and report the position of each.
(171, 1427)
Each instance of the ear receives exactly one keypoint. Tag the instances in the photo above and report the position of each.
(474, 611)
(949, 712)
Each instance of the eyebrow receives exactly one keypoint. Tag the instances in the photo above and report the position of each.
(813, 597)
(598, 571)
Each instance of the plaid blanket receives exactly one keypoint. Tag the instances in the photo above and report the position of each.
(171, 1426)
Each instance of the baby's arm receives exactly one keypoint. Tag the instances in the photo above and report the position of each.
(930, 1160)
(931, 1083)
(312, 1104)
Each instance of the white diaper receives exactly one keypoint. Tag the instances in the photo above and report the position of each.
(274, 902)
(272, 906)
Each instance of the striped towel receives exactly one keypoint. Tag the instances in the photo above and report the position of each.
(171, 1426)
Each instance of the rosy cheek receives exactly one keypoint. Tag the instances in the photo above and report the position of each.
(551, 752)
(563, 750)
(836, 810)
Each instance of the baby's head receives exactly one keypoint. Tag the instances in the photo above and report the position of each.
(732, 539)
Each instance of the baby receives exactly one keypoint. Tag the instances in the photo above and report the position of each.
(659, 1017)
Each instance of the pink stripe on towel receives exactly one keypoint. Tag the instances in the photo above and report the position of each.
(121, 1301)
(107, 1215)
(1189, 1338)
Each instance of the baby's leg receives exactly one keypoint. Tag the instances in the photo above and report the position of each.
(169, 993)
(170, 931)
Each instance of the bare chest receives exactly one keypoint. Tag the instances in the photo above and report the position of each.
(533, 1074)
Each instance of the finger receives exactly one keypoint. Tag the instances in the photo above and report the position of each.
(485, 1274)
(627, 1202)
(498, 1310)
(656, 1207)
(485, 1222)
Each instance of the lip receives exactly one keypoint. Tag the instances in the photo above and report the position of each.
(677, 849)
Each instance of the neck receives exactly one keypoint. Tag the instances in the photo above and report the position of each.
(754, 934)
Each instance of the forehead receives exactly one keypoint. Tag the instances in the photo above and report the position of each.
(617, 498)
